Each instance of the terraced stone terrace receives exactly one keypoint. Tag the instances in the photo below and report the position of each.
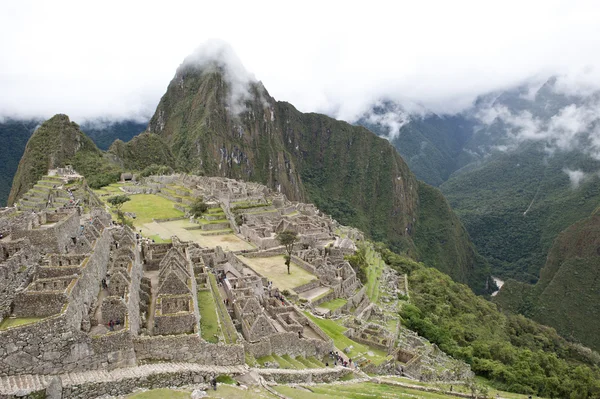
(189, 232)
(182, 299)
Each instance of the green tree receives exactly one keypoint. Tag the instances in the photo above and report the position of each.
(288, 238)
(118, 200)
(359, 263)
(198, 207)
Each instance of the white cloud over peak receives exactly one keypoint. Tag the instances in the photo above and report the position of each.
(115, 59)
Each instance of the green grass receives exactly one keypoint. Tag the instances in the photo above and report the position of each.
(316, 362)
(336, 333)
(335, 304)
(309, 364)
(225, 379)
(159, 240)
(110, 189)
(461, 388)
(161, 394)
(18, 321)
(285, 362)
(250, 360)
(374, 271)
(209, 325)
(148, 206)
(365, 390)
(274, 269)
(229, 333)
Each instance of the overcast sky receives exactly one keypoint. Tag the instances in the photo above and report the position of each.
(115, 59)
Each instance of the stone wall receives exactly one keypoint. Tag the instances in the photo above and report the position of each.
(288, 343)
(56, 344)
(50, 347)
(15, 272)
(39, 304)
(187, 348)
(307, 287)
(306, 377)
(53, 239)
(178, 323)
(304, 265)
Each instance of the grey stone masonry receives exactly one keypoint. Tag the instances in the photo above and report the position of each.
(91, 384)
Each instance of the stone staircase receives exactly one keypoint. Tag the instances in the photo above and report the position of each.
(23, 384)
(37, 197)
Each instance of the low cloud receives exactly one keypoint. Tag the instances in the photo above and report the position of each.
(217, 54)
(575, 177)
(573, 127)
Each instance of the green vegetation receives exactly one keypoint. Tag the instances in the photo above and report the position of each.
(567, 286)
(335, 304)
(161, 394)
(363, 390)
(345, 170)
(512, 352)
(106, 132)
(288, 238)
(336, 333)
(57, 143)
(209, 325)
(288, 362)
(272, 268)
(225, 379)
(158, 239)
(374, 271)
(517, 203)
(229, 331)
(359, 263)
(442, 241)
(18, 321)
(143, 151)
(14, 135)
(149, 206)
(198, 207)
(117, 202)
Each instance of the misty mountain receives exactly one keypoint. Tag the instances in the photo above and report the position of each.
(518, 167)
(218, 120)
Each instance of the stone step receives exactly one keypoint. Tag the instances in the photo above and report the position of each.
(29, 383)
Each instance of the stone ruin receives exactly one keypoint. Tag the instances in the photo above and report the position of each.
(95, 296)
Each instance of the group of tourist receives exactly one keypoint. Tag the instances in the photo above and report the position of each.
(338, 359)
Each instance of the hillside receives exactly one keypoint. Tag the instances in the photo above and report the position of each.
(104, 132)
(54, 144)
(143, 150)
(568, 286)
(432, 145)
(515, 205)
(218, 120)
(518, 167)
(14, 134)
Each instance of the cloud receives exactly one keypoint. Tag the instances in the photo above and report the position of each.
(218, 55)
(573, 127)
(86, 60)
(575, 177)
